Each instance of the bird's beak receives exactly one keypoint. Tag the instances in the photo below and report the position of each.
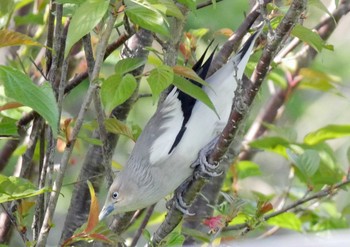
(106, 210)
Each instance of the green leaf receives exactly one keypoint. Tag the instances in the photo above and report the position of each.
(115, 90)
(37, 19)
(317, 80)
(128, 64)
(92, 141)
(287, 133)
(19, 87)
(8, 127)
(193, 90)
(247, 168)
(191, 4)
(175, 239)
(310, 37)
(326, 133)
(167, 7)
(70, 1)
(159, 79)
(85, 18)
(6, 7)
(278, 78)
(318, 4)
(119, 128)
(308, 162)
(271, 143)
(286, 220)
(147, 18)
(14, 188)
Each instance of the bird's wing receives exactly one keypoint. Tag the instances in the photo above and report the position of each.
(166, 127)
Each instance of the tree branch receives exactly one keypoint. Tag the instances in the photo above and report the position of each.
(329, 191)
(101, 48)
(242, 101)
(91, 167)
(207, 3)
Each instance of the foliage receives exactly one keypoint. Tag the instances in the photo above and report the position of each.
(44, 76)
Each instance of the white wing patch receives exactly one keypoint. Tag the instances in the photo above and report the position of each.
(169, 126)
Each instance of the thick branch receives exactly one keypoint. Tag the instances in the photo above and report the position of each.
(91, 168)
(240, 108)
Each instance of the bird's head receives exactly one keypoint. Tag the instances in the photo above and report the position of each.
(119, 197)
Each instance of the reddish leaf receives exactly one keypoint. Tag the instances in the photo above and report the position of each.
(100, 237)
(225, 31)
(265, 207)
(188, 73)
(94, 210)
(215, 223)
(10, 105)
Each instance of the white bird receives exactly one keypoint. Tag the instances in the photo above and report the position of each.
(172, 139)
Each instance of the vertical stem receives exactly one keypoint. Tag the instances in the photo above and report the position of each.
(44, 232)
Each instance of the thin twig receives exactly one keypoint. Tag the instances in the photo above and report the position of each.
(330, 190)
(11, 145)
(142, 226)
(99, 110)
(70, 144)
(207, 3)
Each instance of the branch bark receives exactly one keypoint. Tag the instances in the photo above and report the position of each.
(242, 101)
(91, 168)
(101, 48)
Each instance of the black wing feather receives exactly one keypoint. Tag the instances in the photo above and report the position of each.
(188, 102)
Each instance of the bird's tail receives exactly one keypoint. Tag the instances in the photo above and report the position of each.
(240, 60)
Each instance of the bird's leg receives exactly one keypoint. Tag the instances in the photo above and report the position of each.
(202, 169)
(202, 166)
(178, 200)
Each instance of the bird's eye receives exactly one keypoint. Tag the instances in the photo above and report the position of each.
(115, 195)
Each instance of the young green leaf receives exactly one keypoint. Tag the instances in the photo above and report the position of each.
(318, 80)
(193, 90)
(175, 239)
(8, 127)
(169, 8)
(309, 37)
(115, 90)
(247, 168)
(318, 4)
(117, 127)
(85, 18)
(128, 64)
(191, 4)
(19, 87)
(159, 79)
(326, 133)
(286, 220)
(308, 162)
(147, 18)
(14, 188)
(271, 143)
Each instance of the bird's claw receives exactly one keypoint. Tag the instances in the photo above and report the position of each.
(178, 200)
(203, 167)
(181, 205)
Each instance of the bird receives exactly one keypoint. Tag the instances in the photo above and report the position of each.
(164, 154)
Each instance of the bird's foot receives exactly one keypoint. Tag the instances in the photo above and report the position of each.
(203, 168)
(178, 200)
